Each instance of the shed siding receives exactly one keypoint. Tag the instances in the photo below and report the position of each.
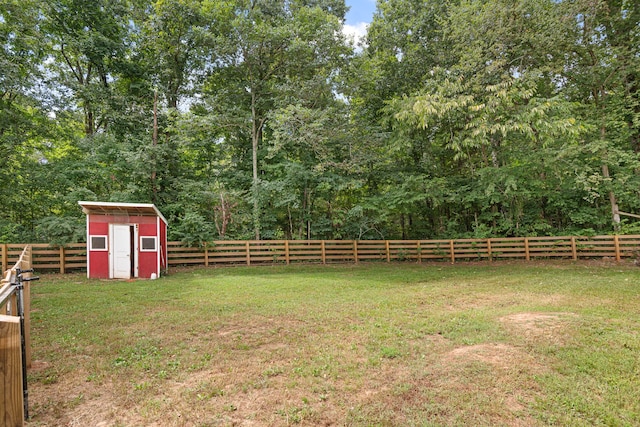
(99, 265)
(164, 256)
(147, 261)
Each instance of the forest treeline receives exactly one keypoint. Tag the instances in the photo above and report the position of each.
(260, 118)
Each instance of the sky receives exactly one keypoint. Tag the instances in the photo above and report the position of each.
(359, 16)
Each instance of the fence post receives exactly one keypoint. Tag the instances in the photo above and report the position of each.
(286, 251)
(419, 250)
(574, 249)
(5, 258)
(11, 397)
(616, 243)
(206, 254)
(386, 247)
(355, 251)
(526, 249)
(62, 259)
(323, 252)
(13, 303)
(248, 252)
(451, 252)
(489, 250)
(26, 300)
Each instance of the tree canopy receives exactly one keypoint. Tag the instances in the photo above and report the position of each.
(261, 119)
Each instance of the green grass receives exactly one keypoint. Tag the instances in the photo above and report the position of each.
(375, 344)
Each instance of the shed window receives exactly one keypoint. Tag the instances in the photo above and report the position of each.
(148, 244)
(97, 243)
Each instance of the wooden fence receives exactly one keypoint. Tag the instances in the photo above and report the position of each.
(12, 361)
(45, 257)
(254, 252)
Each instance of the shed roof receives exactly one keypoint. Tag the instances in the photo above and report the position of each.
(111, 208)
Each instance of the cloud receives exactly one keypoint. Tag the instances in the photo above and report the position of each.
(356, 32)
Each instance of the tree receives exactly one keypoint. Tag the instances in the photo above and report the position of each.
(272, 47)
(601, 72)
(404, 41)
(86, 38)
(23, 120)
(311, 156)
(177, 44)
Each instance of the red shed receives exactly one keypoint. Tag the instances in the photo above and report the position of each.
(125, 240)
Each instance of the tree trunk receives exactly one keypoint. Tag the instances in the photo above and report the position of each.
(225, 216)
(303, 213)
(308, 214)
(154, 142)
(256, 134)
(615, 216)
(88, 120)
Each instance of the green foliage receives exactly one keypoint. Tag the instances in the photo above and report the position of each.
(246, 118)
(9, 231)
(193, 230)
(60, 230)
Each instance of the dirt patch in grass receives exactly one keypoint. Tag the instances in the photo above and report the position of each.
(551, 328)
(500, 356)
(495, 381)
(39, 366)
(484, 384)
(75, 402)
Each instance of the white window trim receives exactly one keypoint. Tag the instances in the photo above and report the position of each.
(155, 244)
(106, 243)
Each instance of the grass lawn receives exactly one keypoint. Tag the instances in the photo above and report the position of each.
(508, 343)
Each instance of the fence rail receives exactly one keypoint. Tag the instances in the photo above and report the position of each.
(45, 257)
(253, 252)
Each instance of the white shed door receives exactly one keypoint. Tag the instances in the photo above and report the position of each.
(121, 252)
